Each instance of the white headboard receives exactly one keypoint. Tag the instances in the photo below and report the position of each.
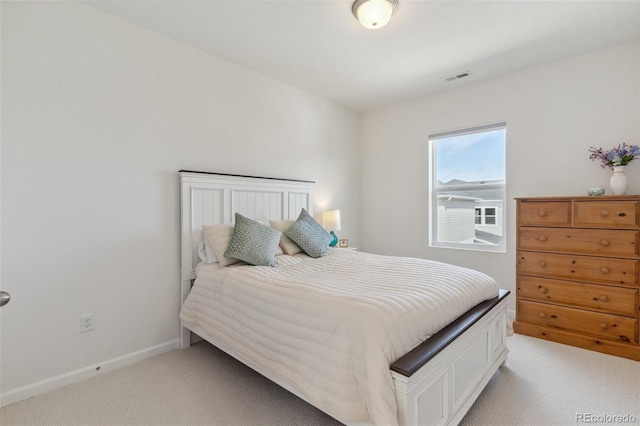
(212, 198)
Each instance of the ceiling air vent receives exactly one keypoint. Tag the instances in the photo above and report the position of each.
(459, 76)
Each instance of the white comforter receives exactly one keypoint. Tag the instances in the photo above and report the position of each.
(331, 327)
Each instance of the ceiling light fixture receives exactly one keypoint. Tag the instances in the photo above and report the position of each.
(374, 14)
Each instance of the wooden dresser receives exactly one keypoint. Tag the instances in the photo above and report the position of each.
(578, 265)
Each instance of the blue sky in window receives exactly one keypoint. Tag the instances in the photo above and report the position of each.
(473, 157)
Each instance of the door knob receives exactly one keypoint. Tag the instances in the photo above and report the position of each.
(4, 298)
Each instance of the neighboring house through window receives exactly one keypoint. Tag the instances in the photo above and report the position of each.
(468, 188)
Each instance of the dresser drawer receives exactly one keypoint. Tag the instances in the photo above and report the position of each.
(615, 300)
(588, 241)
(622, 272)
(612, 214)
(548, 213)
(613, 327)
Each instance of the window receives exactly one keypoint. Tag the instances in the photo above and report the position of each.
(468, 189)
(490, 216)
(486, 216)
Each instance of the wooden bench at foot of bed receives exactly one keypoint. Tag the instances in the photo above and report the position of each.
(437, 382)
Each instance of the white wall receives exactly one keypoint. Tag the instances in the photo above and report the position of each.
(98, 116)
(554, 113)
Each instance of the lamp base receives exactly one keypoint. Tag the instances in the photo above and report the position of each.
(335, 239)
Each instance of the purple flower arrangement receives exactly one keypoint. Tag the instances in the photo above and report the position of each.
(618, 156)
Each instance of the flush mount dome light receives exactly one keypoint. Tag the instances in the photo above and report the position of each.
(374, 14)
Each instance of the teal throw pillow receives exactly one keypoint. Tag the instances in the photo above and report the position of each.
(253, 242)
(312, 238)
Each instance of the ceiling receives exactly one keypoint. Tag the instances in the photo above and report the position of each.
(319, 46)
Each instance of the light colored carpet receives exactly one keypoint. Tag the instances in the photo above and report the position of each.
(542, 383)
(546, 383)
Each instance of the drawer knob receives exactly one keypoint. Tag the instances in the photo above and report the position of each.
(604, 243)
(542, 213)
(604, 270)
(604, 213)
(604, 298)
(542, 263)
(542, 238)
(542, 289)
(542, 315)
(603, 326)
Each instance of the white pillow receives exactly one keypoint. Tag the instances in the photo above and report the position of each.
(219, 237)
(205, 252)
(279, 251)
(287, 245)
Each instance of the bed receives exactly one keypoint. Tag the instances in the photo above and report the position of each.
(377, 351)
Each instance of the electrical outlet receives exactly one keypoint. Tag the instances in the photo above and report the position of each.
(86, 323)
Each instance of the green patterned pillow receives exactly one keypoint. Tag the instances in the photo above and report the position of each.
(312, 238)
(253, 242)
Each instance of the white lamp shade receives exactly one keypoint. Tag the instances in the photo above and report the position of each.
(332, 220)
(374, 14)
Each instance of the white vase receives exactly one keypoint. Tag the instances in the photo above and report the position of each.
(618, 181)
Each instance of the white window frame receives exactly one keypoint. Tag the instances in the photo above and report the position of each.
(435, 192)
(483, 216)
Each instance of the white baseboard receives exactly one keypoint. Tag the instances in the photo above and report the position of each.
(37, 388)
